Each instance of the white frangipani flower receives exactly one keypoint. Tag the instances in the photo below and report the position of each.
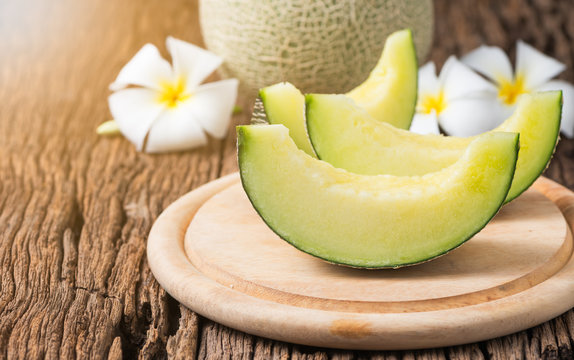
(461, 101)
(533, 72)
(169, 110)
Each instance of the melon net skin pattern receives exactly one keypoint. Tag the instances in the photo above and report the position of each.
(318, 48)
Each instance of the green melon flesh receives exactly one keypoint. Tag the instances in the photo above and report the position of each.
(285, 104)
(372, 221)
(390, 92)
(346, 136)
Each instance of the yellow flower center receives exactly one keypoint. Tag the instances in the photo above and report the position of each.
(435, 102)
(173, 93)
(509, 91)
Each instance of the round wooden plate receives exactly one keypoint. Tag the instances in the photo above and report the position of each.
(213, 253)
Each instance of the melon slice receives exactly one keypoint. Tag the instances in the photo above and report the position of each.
(285, 104)
(344, 135)
(390, 92)
(372, 221)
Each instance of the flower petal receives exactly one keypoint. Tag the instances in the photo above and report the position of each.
(425, 124)
(147, 68)
(135, 110)
(191, 62)
(490, 61)
(446, 67)
(428, 81)
(506, 109)
(567, 123)
(460, 81)
(176, 129)
(471, 116)
(536, 67)
(212, 105)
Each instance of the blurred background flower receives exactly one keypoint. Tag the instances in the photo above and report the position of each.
(459, 100)
(533, 72)
(462, 103)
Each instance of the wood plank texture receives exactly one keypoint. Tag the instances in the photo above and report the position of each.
(75, 208)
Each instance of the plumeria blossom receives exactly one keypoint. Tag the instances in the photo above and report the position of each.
(161, 108)
(533, 72)
(459, 100)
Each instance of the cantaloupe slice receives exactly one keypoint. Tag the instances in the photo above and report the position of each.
(372, 221)
(389, 94)
(345, 135)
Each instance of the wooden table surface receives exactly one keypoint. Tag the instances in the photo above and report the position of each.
(75, 208)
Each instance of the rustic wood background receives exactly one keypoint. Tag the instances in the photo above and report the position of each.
(75, 208)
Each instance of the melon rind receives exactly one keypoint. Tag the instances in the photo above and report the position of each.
(378, 221)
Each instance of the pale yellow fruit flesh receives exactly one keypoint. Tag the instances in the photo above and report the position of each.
(372, 221)
(390, 92)
(285, 104)
(346, 136)
(537, 119)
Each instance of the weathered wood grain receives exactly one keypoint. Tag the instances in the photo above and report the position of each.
(75, 209)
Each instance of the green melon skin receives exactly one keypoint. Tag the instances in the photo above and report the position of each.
(347, 137)
(390, 92)
(380, 221)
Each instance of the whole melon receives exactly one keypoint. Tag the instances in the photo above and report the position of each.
(326, 46)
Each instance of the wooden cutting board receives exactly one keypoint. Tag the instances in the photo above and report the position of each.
(213, 253)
